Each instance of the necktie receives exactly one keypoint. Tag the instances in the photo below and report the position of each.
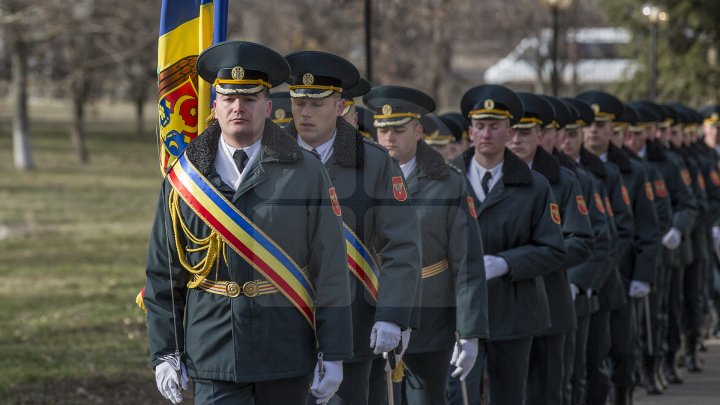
(485, 181)
(241, 159)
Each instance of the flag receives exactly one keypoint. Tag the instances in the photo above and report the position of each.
(187, 27)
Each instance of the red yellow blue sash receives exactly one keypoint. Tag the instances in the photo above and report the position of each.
(361, 262)
(251, 243)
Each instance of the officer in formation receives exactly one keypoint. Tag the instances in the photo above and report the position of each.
(567, 255)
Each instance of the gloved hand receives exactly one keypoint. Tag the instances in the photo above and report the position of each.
(672, 239)
(324, 388)
(463, 357)
(574, 290)
(716, 237)
(639, 289)
(405, 337)
(495, 266)
(384, 336)
(168, 383)
(589, 292)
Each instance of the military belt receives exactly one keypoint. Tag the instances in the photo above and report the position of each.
(232, 289)
(434, 269)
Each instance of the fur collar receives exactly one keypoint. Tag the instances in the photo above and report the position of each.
(348, 148)
(592, 163)
(617, 156)
(275, 143)
(546, 165)
(515, 170)
(655, 151)
(565, 160)
(430, 162)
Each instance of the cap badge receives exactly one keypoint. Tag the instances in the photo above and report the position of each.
(279, 114)
(489, 104)
(387, 109)
(237, 73)
(595, 108)
(715, 116)
(308, 79)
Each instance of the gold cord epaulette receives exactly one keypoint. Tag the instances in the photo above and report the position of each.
(213, 244)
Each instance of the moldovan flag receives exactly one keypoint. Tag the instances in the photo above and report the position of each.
(187, 27)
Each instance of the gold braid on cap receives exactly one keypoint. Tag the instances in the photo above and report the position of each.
(346, 106)
(490, 113)
(603, 116)
(405, 118)
(528, 122)
(328, 90)
(259, 85)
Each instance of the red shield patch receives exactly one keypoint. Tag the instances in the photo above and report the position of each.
(608, 207)
(471, 207)
(701, 181)
(555, 213)
(599, 203)
(178, 113)
(398, 186)
(625, 195)
(582, 207)
(686, 177)
(715, 177)
(334, 201)
(649, 191)
(660, 189)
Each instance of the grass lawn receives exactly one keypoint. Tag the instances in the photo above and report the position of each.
(72, 240)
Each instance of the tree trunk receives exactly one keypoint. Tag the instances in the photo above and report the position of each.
(21, 132)
(77, 131)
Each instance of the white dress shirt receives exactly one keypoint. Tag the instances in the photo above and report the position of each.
(476, 173)
(643, 152)
(324, 150)
(408, 167)
(226, 167)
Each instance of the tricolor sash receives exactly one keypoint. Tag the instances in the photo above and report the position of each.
(361, 262)
(244, 237)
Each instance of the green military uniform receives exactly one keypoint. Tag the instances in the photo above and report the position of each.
(546, 371)
(362, 173)
(252, 339)
(452, 299)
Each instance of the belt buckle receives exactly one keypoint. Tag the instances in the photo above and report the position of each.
(232, 289)
(250, 289)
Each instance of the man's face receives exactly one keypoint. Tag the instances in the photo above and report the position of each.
(490, 136)
(676, 136)
(315, 118)
(635, 140)
(663, 135)
(525, 142)
(401, 140)
(352, 116)
(548, 139)
(617, 137)
(571, 142)
(597, 136)
(711, 134)
(242, 117)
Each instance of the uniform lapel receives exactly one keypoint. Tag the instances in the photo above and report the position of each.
(255, 176)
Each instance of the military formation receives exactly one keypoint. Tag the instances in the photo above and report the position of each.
(527, 249)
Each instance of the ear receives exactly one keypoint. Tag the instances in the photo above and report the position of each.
(339, 106)
(418, 131)
(268, 109)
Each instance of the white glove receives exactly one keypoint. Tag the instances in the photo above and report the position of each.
(589, 292)
(464, 358)
(324, 388)
(672, 239)
(574, 290)
(716, 237)
(405, 337)
(168, 382)
(639, 289)
(384, 336)
(495, 266)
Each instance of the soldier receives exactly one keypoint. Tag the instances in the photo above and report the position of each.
(522, 239)
(612, 293)
(463, 141)
(546, 372)
(638, 268)
(592, 272)
(380, 227)
(365, 123)
(439, 136)
(350, 111)
(281, 111)
(453, 279)
(232, 295)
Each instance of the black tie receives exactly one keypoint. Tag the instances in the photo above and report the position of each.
(485, 180)
(241, 159)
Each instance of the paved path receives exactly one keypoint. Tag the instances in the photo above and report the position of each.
(698, 389)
